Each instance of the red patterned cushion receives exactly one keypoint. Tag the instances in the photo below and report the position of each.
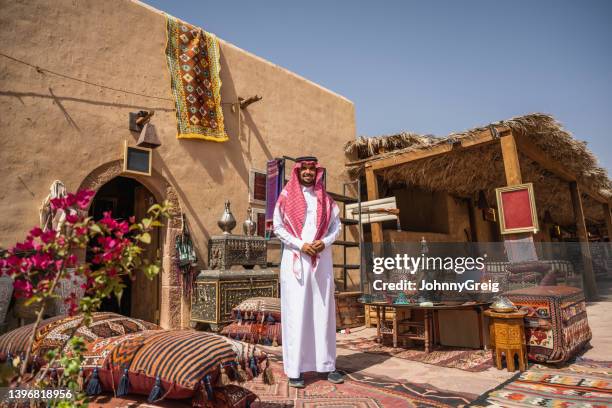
(16, 341)
(103, 325)
(258, 309)
(256, 333)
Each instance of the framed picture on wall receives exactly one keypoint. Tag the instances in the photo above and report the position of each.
(259, 215)
(257, 187)
(137, 160)
(516, 208)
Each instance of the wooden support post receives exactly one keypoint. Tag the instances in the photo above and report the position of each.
(372, 182)
(588, 277)
(608, 220)
(512, 167)
(472, 214)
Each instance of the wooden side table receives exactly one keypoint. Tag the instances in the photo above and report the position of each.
(507, 332)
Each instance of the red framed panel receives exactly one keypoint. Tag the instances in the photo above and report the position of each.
(516, 208)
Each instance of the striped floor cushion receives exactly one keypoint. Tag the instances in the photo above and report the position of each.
(258, 309)
(269, 334)
(184, 363)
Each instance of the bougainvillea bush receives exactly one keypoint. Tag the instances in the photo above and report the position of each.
(38, 263)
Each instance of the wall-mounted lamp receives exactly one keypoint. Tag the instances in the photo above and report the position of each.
(139, 119)
(148, 137)
(140, 122)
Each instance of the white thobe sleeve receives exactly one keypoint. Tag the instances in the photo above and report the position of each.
(281, 232)
(334, 228)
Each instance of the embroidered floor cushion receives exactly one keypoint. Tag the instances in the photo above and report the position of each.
(103, 325)
(54, 332)
(269, 334)
(15, 342)
(258, 309)
(180, 363)
(556, 325)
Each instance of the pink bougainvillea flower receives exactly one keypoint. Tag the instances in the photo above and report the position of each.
(39, 260)
(72, 218)
(23, 288)
(48, 236)
(36, 232)
(25, 246)
(58, 203)
(71, 260)
(83, 197)
(80, 231)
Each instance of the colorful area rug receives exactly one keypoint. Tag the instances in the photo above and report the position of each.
(193, 62)
(463, 359)
(585, 384)
(358, 391)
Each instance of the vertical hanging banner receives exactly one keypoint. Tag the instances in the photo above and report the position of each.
(275, 176)
(193, 61)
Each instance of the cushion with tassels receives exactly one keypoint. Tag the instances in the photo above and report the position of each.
(258, 309)
(176, 364)
(55, 332)
(268, 334)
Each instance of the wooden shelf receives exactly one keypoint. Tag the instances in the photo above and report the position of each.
(347, 243)
(348, 221)
(342, 198)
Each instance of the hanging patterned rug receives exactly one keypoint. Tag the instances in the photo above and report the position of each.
(580, 385)
(463, 359)
(357, 391)
(193, 61)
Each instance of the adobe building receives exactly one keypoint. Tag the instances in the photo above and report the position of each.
(70, 75)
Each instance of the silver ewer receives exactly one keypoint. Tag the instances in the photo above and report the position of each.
(249, 227)
(227, 222)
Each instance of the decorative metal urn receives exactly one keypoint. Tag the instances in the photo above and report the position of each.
(227, 222)
(502, 304)
(248, 226)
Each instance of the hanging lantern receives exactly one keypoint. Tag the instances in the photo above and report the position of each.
(148, 137)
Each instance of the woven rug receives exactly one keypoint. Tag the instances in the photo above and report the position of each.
(584, 384)
(358, 391)
(193, 61)
(463, 359)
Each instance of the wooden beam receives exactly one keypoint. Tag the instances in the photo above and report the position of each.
(373, 194)
(512, 167)
(483, 137)
(588, 277)
(406, 157)
(532, 151)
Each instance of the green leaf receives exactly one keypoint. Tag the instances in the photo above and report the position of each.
(95, 228)
(145, 237)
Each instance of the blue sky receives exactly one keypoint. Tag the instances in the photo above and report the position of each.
(437, 66)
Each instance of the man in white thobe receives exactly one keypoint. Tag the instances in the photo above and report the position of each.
(306, 220)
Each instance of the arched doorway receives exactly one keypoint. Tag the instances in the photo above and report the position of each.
(125, 197)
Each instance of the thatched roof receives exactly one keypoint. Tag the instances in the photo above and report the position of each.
(466, 171)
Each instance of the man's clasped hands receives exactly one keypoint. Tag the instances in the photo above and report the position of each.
(313, 248)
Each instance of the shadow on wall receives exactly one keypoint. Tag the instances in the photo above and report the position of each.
(214, 157)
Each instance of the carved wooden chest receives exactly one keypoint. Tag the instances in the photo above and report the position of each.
(216, 292)
(227, 250)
